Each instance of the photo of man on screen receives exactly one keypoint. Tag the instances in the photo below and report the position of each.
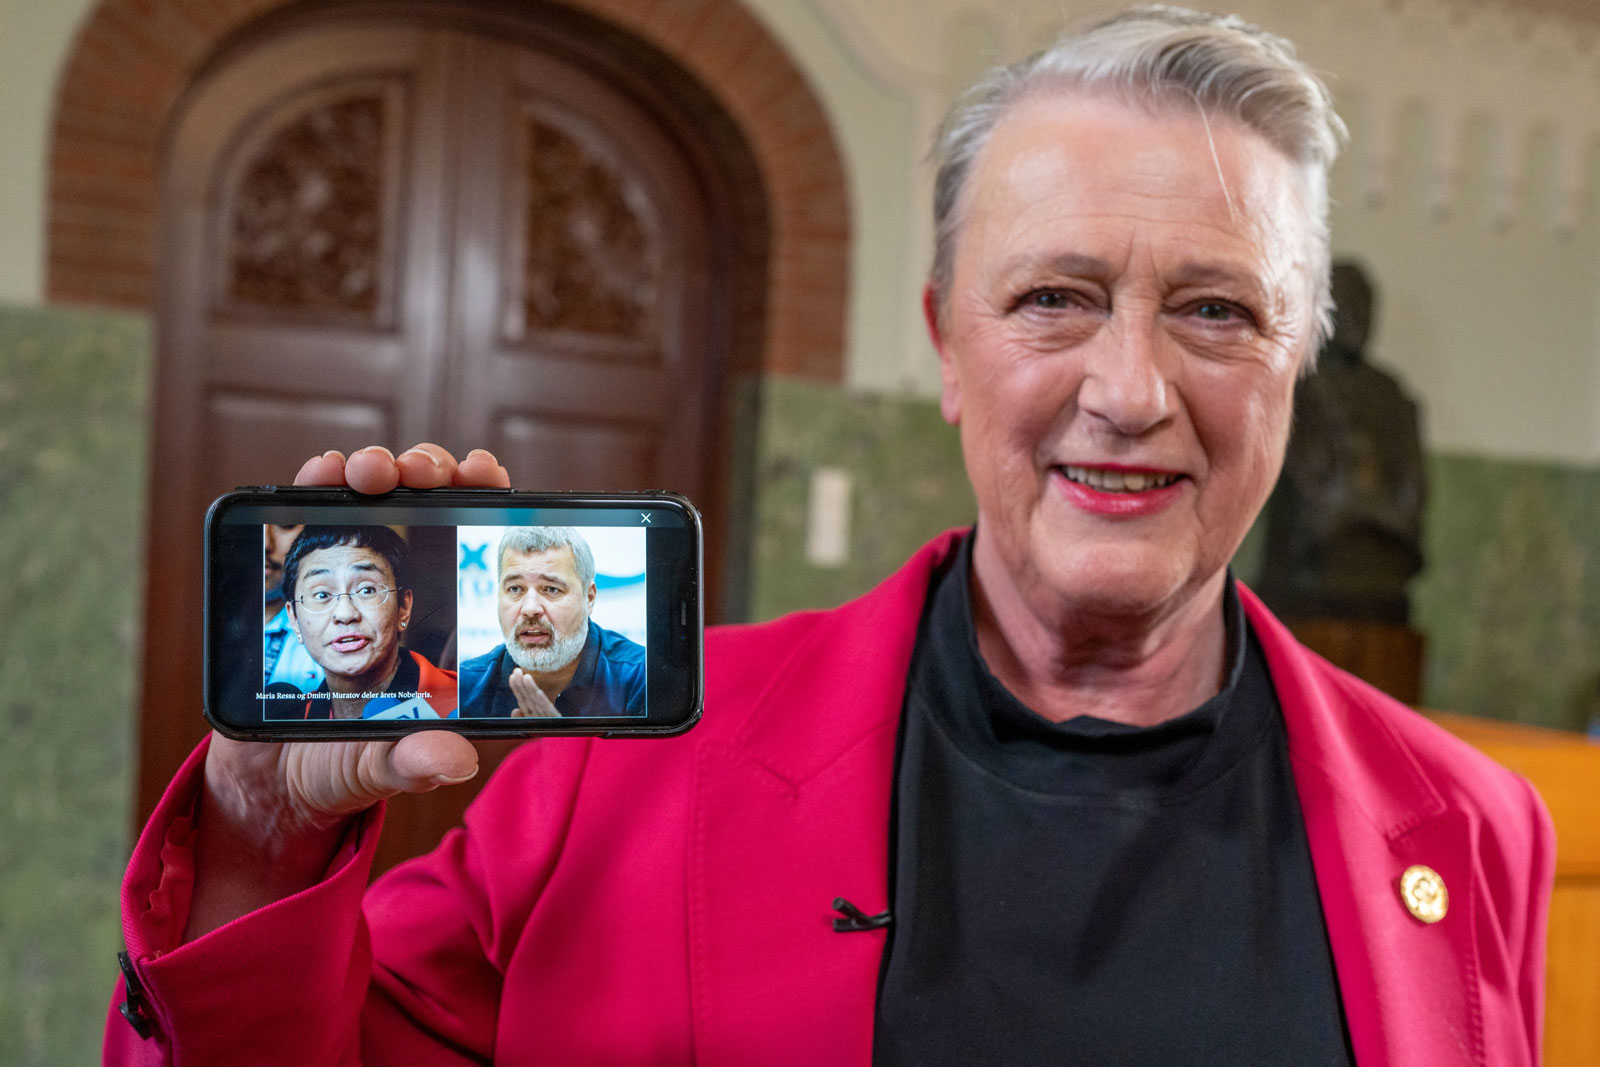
(554, 661)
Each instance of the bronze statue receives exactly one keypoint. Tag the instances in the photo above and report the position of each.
(1344, 524)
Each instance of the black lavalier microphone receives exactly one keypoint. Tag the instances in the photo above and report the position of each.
(855, 920)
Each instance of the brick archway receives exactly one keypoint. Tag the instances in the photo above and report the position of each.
(134, 58)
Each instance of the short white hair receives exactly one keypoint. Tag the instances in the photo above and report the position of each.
(525, 539)
(1158, 56)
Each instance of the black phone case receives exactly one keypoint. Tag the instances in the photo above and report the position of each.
(688, 635)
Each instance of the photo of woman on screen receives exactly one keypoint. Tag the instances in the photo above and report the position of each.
(349, 604)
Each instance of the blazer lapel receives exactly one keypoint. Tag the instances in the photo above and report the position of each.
(1410, 989)
(789, 815)
(794, 811)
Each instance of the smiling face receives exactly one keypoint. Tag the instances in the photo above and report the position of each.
(544, 608)
(1119, 344)
(357, 644)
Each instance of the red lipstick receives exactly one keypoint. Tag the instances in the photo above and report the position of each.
(1114, 504)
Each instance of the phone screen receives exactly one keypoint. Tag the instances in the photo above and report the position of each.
(332, 615)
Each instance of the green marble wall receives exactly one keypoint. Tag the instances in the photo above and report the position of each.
(908, 484)
(72, 468)
(1510, 601)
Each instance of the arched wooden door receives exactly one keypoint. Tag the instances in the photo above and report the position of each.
(380, 232)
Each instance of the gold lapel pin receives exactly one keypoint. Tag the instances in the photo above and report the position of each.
(1424, 894)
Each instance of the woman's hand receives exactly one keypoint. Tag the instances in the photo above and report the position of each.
(273, 814)
(376, 470)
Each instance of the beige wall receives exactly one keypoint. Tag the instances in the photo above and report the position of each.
(1469, 187)
(35, 38)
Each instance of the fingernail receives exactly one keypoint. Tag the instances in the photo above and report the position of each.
(445, 779)
(379, 448)
(333, 453)
(477, 452)
(425, 454)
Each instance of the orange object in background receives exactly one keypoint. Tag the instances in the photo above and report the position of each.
(1565, 767)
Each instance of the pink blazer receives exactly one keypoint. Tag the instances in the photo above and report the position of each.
(670, 902)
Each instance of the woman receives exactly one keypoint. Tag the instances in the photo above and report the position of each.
(1057, 791)
(349, 605)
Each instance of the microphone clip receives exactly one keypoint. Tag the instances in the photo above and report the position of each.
(854, 920)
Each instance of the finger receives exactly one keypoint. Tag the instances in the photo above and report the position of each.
(427, 466)
(517, 683)
(430, 758)
(372, 470)
(326, 469)
(523, 688)
(481, 469)
(531, 701)
(546, 707)
(530, 698)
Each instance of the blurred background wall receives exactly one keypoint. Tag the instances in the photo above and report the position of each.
(1470, 191)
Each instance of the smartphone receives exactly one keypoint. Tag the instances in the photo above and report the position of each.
(333, 615)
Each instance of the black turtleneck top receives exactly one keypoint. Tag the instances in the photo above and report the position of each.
(1096, 894)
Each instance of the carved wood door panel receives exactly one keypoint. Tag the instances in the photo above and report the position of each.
(382, 233)
(582, 292)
